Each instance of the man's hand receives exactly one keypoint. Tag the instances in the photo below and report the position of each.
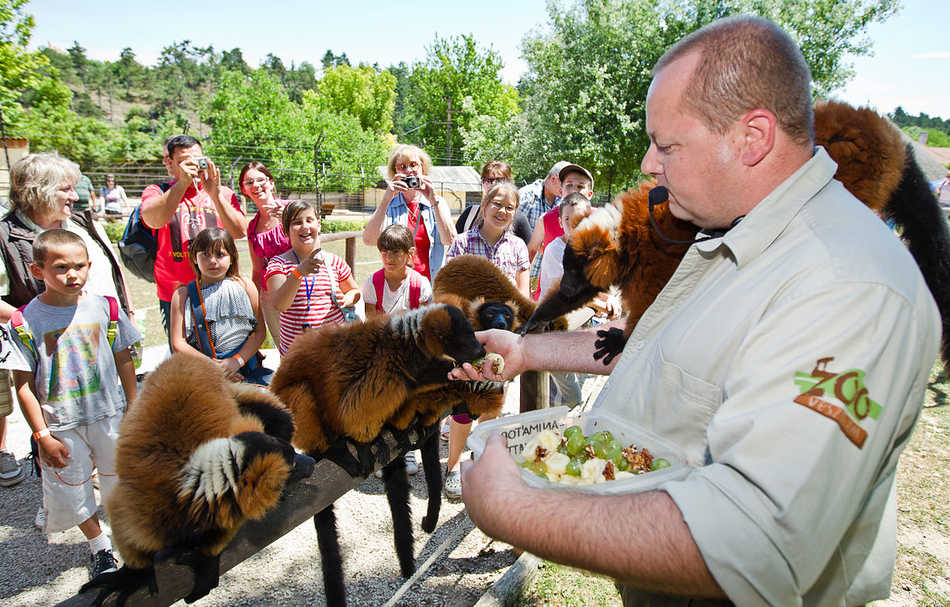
(53, 453)
(490, 485)
(210, 179)
(506, 343)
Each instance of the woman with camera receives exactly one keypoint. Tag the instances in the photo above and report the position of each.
(410, 200)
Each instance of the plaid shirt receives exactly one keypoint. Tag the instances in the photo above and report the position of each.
(531, 202)
(510, 253)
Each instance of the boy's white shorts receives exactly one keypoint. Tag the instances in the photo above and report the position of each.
(67, 492)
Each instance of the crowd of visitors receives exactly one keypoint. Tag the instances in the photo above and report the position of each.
(781, 507)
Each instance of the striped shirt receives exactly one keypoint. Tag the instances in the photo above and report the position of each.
(312, 305)
(510, 253)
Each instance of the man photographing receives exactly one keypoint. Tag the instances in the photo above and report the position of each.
(791, 500)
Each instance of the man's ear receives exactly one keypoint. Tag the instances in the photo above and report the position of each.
(758, 135)
(37, 271)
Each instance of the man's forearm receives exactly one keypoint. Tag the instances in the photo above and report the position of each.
(565, 351)
(232, 220)
(159, 210)
(639, 539)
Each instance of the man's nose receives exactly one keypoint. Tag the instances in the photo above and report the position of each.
(649, 165)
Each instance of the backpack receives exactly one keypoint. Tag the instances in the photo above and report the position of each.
(415, 290)
(138, 246)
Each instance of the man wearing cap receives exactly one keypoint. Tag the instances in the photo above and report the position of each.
(536, 199)
(788, 357)
(573, 178)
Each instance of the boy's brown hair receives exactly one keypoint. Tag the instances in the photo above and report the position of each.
(213, 240)
(396, 237)
(52, 239)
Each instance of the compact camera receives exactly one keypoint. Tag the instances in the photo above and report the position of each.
(412, 182)
(202, 162)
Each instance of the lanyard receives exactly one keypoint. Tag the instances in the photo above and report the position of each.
(308, 287)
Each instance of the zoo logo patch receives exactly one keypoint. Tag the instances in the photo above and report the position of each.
(847, 388)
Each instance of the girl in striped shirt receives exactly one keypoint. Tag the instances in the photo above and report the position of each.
(300, 281)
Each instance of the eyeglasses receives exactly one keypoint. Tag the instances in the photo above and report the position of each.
(258, 181)
(500, 207)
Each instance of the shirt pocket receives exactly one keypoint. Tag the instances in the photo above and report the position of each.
(683, 405)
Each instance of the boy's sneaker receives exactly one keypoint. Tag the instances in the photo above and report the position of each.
(11, 472)
(102, 562)
(412, 465)
(40, 521)
(452, 490)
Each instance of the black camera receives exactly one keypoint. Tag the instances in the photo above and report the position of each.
(412, 182)
(202, 163)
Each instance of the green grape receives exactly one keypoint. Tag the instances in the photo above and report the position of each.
(576, 443)
(572, 430)
(574, 467)
(660, 463)
(600, 449)
(606, 436)
(613, 445)
(562, 448)
(624, 465)
(539, 468)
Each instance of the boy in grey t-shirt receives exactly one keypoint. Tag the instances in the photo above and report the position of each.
(71, 396)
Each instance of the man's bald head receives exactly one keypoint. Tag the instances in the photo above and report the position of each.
(746, 63)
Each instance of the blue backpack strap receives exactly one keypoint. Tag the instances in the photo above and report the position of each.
(198, 316)
(23, 332)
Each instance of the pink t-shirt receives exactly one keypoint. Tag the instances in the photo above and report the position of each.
(267, 244)
(312, 304)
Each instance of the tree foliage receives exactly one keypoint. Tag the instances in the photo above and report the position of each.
(589, 71)
(253, 118)
(362, 92)
(457, 74)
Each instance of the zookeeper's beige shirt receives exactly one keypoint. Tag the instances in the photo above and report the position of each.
(789, 358)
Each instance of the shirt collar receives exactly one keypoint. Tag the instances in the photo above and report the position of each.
(769, 218)
(29, 223)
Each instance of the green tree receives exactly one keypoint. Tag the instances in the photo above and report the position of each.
(362, 92)
(80, 63)
(252, 117)
(589, 71)
(456, 83)
(20, 69)
(330, 60)
(233, 60)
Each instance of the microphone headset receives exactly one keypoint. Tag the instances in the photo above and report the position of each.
(659, 195)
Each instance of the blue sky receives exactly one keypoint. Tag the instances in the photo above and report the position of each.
(910, 66)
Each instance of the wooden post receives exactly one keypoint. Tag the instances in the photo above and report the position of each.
(350, 237)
